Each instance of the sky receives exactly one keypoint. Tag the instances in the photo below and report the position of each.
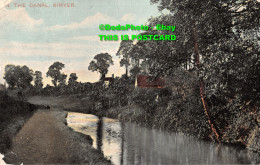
(39, 36)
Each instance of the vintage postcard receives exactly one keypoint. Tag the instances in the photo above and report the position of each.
(129, 82)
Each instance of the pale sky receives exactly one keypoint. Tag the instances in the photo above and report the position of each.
(37, 37)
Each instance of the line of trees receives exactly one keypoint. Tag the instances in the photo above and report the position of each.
(22, 76)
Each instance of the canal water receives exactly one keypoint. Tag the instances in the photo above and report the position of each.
(128, 143)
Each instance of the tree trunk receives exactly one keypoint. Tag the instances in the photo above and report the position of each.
(126, 71)
(99, 134)
(55, 82)
(202, 89)
(122, 144)
(102, 78)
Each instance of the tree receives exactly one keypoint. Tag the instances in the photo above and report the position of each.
(135, 71)
(101, 64)
(121, 88)
(25, 76)
(73, 79)
(218, 32)
(17, 76)
(10, 77)
(197, 15)
(163, 57)
(73, 85)
(38, 84)
(55, 73)
(124, 51)
(62, 80)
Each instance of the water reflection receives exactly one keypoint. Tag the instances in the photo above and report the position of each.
(128, 143)
(84, 123)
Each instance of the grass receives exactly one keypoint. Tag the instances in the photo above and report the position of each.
(13, 115)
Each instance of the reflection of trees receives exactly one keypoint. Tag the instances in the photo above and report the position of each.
(99, 134)
(122, 143)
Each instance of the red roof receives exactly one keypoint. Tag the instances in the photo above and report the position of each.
(145, 82)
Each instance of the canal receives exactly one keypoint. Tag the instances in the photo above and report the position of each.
(128, 143)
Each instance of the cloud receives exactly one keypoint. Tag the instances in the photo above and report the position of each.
(89, 21)
(129, 17)
(85, 38)
(66, 50)
(18, 18)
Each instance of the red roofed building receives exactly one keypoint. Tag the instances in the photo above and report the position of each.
(145, 82)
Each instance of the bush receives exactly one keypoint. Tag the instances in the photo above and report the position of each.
(146, 98)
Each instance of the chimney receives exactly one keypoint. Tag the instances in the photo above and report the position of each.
(112, 75)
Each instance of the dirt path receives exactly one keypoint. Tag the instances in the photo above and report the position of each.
(46, 139)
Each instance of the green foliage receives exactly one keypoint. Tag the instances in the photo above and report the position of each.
(135, 71)
(55, 73)
(38, 80)
(72, 83)
(224, 32)
(227, 33)
(14, 113)
(125, 51)
(18, 76)
(146, 98)
(101, 64)
(119, 90)
(62, 80)
(73, 78)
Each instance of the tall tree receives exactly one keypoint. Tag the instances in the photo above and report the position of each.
(101, 64)
(10, 77)
(214, 29)
(73, 79)
(62, 80)
(18, 76)
(38, 84)
(55, 73)
(25, 75)
(135, 71)
(160, 58)
(124, 52)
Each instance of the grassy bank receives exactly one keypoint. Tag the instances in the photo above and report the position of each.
(13, 115)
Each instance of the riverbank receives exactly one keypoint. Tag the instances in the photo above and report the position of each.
(243, 133)
(46, 139)
(134, 144)
(13, 115)
(180, 120)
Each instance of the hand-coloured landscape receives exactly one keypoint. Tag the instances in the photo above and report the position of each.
(180, 86)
